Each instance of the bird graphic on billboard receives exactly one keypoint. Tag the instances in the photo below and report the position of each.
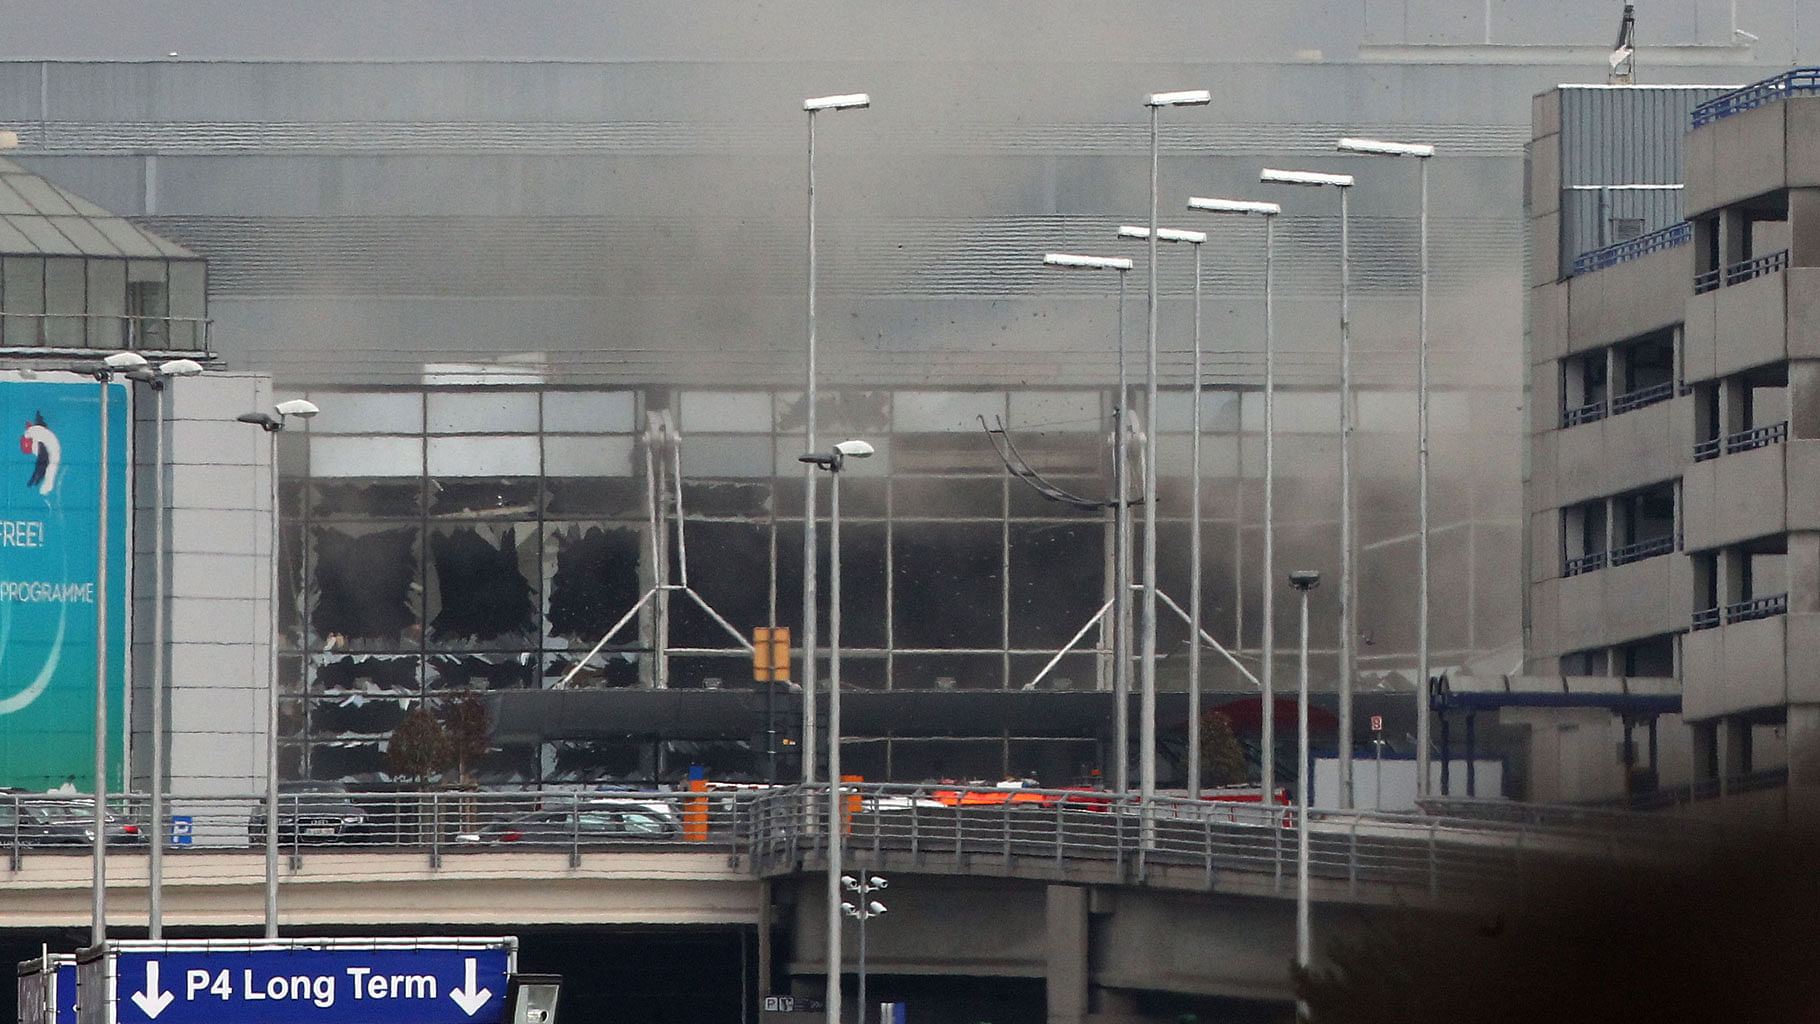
(40, 442)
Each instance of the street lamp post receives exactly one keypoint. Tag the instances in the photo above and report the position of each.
(302, 409)
(813, 106)
(1147, 664)
(119, 362)
(155, 377)
(1423, 152)
(833, 461)
(1267, 641)
(1303, 580)
(1195, 239)
(866, 909)
(1121, 528)
(1348, 613)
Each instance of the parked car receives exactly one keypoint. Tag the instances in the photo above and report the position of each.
(586, 822)
(311, 812)
(37, 820)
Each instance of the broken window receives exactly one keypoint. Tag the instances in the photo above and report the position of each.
(366, 586)
(482, 593)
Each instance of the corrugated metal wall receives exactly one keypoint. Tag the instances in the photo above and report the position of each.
(1621, 136)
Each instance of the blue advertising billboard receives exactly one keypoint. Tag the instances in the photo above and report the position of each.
(50, 547)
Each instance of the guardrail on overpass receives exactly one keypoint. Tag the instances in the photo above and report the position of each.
(1066, 834)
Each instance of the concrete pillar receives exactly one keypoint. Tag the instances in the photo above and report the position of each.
(1802, 567)
(1705, 739)
(1803, 731)
(1735, 747)
(1804, 398)
(1065, 977)
(1734, 237)
(1804, 227)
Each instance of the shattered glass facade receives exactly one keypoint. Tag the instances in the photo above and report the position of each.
(443, 540)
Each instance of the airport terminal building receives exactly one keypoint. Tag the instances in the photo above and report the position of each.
(554, 313)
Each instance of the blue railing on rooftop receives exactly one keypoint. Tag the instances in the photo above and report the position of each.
(1799, 82)
(1642, 245)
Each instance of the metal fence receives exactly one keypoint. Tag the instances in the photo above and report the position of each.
(1799, 82)
(780, 830)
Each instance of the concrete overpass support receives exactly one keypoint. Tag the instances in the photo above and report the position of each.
(1065, 982)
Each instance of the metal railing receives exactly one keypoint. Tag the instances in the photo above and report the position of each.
(1591, 412)
(1711, 448)
(1643, 549)
(104, 331)
(1756, 437)
(1051, 832)
(1744, 270)
(1740, 272)
(779, 830)
(1756, 608)
(1800, 81)
(1708, 618)
(1642, 245)
(436, 823)
(1583, 563)
(1642, 396)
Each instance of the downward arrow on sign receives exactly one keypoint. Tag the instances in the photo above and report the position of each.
(152, 1001)
(470, 999)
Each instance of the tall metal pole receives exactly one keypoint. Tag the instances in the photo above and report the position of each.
(155, 911)
(1266, 688)
(811, 107)
(1422, 611)
(834, 801)
(271, 714)
(1194, 555)
(1121, 558)
(1147, 681)
(1423, 152)
(810, 611)
(1147, 663)
(1121, 522)
(98, 927)
(1268, 740)
(1348, 602)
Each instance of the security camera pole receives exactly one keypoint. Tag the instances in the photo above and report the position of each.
(832, 462)
(303, 409)
(1303, 580)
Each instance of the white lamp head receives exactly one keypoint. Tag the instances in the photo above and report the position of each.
(1378, 147)
(124, 361)
(847, 101)
(1163, 234)
(1064, 259)
(1234, 206)
(179, 368)
(854, 450)
(302, 408)
(1187, 98)
(1272, 176)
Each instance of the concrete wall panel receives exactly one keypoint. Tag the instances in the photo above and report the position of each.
(1803, 658)
(1802, 114)
(1802, 459)
(1545, 176)
(1747, 157)
(1700, 340)
(1548, 313)
(1734, 498)
(1750, 323)
(1803, 291)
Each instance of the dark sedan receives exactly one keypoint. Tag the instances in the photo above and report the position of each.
(38, 821)
(311, 812)
(589, 822)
